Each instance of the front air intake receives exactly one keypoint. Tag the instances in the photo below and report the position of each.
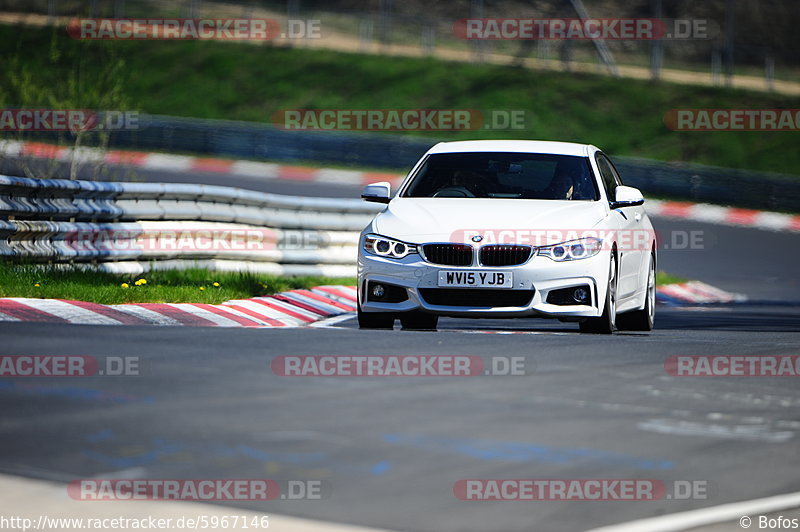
(448, 254)
(505, 255)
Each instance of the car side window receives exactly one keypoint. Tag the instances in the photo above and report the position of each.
(609, 176)
(614, 170)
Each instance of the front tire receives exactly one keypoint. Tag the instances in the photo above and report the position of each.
(419, 320)
(605, 324)
(642, 320)
(374, 320)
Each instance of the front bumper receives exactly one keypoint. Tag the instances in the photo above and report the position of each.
(540, 274)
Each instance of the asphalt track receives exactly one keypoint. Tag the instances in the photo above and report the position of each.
(207, 405)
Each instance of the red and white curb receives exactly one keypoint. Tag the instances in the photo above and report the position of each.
(698, 212)
(695, 292)
(295, 308)
(184, 163)
(716, 214)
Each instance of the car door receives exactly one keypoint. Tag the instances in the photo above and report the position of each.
(625, 221)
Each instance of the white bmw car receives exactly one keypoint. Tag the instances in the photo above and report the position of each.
(505, 229)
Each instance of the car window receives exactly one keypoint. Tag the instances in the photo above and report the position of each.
(504, 176)
(608, 175)
(614, 170)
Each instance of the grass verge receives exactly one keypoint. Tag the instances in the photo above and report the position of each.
(663, 278)
(188, 286)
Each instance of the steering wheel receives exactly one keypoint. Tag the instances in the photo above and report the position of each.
(454, 192)
(553, 194)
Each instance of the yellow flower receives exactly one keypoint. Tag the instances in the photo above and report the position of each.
(37, 285)
(140, 282)
(216, 284)
(202, 288)
(124, 285)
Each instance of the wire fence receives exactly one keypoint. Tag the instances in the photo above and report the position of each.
(746, 39)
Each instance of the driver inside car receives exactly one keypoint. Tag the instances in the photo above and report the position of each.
(463, 184)
(569, 182)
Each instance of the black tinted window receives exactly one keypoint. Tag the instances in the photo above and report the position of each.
(608, 175)
(504, 175)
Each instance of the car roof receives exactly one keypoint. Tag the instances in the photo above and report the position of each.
(522, 146)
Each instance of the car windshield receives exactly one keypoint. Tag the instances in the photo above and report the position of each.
(504, 175)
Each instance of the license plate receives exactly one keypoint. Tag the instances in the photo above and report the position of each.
(476, 279)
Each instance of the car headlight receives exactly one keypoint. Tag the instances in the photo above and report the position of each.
(388, 247)
(572, 250)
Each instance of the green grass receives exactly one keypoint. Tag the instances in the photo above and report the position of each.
(663, 278)
(162, 287)
(188, 286)
(229, 80)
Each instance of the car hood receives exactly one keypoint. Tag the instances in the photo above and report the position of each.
(457, 219)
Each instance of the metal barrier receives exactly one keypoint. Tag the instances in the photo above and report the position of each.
(699, 183)
(134, 227)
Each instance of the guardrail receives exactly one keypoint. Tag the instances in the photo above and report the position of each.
(135, 227)
(248, 140)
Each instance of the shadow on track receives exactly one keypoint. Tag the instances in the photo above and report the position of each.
(739, 317)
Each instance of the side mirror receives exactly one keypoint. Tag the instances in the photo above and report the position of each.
(377, 192)
(627, 197)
